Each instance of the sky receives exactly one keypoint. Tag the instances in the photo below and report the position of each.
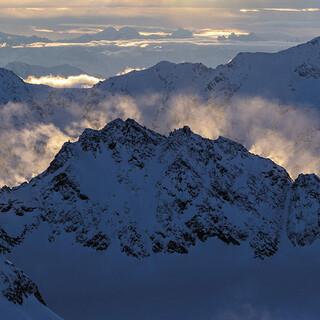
(288, 18)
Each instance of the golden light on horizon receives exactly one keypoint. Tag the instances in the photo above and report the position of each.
(219, 32)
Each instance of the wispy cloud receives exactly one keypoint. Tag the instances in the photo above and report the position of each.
(284, 10)
(287, 134)
(128, 70)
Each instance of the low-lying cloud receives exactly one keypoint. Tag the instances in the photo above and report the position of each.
(26, 149)
(79, 81)
(128, 70)
(286, 134)
(28, 146)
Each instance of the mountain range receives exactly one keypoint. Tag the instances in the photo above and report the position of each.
(129, 193)
(25, 70)
(165, 95)
(108, 34)
(16, 40)
(290, 77)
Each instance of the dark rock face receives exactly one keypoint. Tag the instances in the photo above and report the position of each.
(148, 193)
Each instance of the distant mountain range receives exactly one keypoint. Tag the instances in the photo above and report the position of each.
(128, 33)
(110, 34)
(289, 77)
(25, 70)
(16, 40)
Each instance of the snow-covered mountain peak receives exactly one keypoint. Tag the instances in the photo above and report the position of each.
(127, 127)
(127, 132)
(163, 77)
(126, 185)
(164, 65)
(183, 133)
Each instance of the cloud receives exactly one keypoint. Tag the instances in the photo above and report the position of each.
(101, 113)
(27, 152)
(81, 30)
(31, 4)
(240, 37)
(28, 146)
(128, 70)
(219, 33)
(79, 81)
(288, 135)
(285, 10)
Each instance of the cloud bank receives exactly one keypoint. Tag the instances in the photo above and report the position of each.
(79, 81)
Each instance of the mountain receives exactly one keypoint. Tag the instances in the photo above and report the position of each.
(291, 76)
(13, 89)
(122, 206)
(20, 298)
(16, 40)
(164, 78)
(145, 193)
(25, 70)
